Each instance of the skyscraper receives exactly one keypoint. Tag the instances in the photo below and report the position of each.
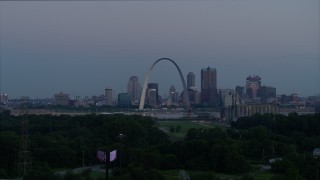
(174, 95)
(152, 97)
(134, 89)
(108, 93)
(124, 100)
(194, 95)
(209, 94)
(253, 84)
(190, 80)
(226, 97)
(154, 86)
(3, 98)
(266, 93)
(240, 91)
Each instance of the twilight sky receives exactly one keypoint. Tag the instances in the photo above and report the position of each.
(82, 47)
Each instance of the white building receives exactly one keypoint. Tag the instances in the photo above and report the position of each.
(226, 97)
(4, 98)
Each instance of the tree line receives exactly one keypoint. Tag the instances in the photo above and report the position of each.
(144, 150)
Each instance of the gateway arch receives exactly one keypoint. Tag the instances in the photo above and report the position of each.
(146, 81)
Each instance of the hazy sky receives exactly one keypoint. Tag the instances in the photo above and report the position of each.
(82, 47)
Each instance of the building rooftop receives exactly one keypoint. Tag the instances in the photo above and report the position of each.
(254, 78)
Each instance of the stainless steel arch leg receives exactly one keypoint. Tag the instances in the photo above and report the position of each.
(185, 94)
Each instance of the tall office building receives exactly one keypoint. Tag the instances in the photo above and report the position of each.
(154, 86)
(253, 84)
(267, 94)
(194, 96)
(174, 95)
(240, 91)
(191, 80)
(152, 97)
(134, 89)
(3, 98)
(124, 100)
(108, 93)
(226, 97)
(209, 95)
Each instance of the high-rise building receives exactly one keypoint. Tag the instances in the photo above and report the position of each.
(154, 86)
(226, 97)
(108, 94)
(61, 99)
(191, 80)
(174, 95)
(253, 84)
(194, 95)
(267, 93)
(240, 91)
(134, 89)
(209, 95)
(152, 97)
(3, 98)
(124, 100)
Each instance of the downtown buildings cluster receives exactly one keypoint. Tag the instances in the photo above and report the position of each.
(252, 97)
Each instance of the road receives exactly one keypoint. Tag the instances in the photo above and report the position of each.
(96, 168)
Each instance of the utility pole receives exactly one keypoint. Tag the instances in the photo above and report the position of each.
(25, 164)
(107, 168)
(121, 136)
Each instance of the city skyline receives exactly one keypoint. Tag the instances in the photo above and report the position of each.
(45, 49)
(165, 93)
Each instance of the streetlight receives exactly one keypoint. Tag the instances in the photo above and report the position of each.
(121, 136)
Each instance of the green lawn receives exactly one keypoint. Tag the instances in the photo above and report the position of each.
(174, 174)
(180, 128)
(170, 174)
(98, 175)
(264, 175)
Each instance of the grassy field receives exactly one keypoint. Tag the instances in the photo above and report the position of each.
(98, 175)
(264, 176)
(179, 129)
(170, 174)
(174, 174)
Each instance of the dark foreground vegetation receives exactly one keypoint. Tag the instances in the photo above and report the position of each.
(64, 142)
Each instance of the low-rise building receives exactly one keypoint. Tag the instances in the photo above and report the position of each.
(61, 99)
(251, 109)
(316, 153)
